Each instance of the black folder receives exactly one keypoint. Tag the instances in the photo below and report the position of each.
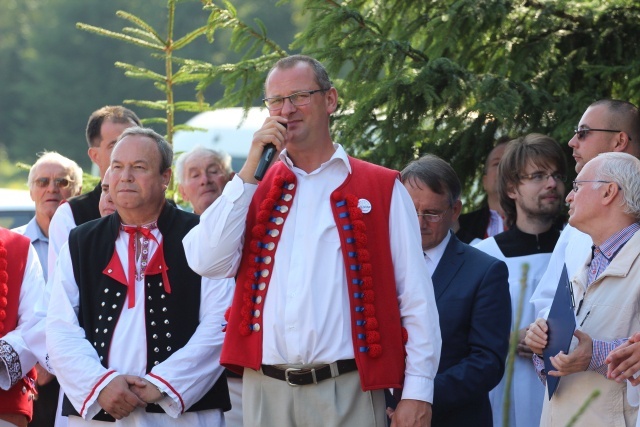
(562, 324)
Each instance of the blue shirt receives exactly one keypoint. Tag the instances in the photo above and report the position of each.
(39, 241)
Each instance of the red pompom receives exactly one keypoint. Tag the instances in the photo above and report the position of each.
(247, 300)
(267, 204)
(352, 201)
(263, 217)
(361, 240)
(336, 197)
(373, 337)
(274, 194)
(278, 180)
(369, 310)
(3, 252)
(367, 283)
(289, 176)
(363, 255)
(258, 231)
(371, 324)
(245, 312)
(227, 314)
(355, 214)
(405, 335)
(3, 264)
(375, 351)
(359, 226)
(3, 315)
(365, 269)
(4, 289)
(3, 302)
(369, 297)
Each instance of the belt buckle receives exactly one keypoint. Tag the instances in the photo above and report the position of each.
(288, 370)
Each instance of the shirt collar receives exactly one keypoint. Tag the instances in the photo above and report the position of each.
(34, 233)
(435, 253)
(613, 244)
(338, 156)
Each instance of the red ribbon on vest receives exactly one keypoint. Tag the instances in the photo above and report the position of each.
(132, 231)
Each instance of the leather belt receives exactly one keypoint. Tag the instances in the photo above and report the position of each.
(305, 376)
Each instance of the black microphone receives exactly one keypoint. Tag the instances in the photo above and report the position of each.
(268, 152)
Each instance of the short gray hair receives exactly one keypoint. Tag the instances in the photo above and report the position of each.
(222, 158)
(624, 170)
(436, 174)
(164, 148)
(319, 71)
(72, 168)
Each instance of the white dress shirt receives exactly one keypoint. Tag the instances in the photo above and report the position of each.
(306, 315)
(60, 226)
(433, 256)
(30, 290)
(191, 371)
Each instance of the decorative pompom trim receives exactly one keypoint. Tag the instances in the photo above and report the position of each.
(258, 273)
(359, 273)
(4, 287)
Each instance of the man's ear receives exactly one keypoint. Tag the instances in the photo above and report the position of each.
(456, 209)
(609, 193)
(512, 192)
(92, 152)
(622, 142)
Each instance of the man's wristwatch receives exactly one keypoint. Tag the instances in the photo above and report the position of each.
(162, 393)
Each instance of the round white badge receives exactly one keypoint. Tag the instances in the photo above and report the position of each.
(364, 205)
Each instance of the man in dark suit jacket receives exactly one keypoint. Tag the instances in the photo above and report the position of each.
(472, 295)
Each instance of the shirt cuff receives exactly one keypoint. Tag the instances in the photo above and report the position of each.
(239, 192)
(92, 407)
(171, 402)
(601, 350)
(538, 364)
(418, 388)
(10, 368)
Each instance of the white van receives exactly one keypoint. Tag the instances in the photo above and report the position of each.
(225, 130)
(16, 208)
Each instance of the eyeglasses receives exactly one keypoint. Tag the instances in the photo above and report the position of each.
(540, 177)
(58, 182)
(432, 217)
(298, 99)
(582, 133)
(575, 183)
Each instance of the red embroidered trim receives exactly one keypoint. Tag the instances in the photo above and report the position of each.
(265, 236)
(359, 273)
(163, 381)
(4, 287)
(93, 390)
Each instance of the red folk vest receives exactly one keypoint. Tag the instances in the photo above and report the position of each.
(14, 250)
(361, 208)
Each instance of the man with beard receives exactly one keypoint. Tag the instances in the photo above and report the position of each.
(531, 185)
(606, 126)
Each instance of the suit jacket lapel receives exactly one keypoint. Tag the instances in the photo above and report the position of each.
(448, 266)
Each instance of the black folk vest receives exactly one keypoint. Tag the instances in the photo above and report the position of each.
(171, 319)
(85, 206)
